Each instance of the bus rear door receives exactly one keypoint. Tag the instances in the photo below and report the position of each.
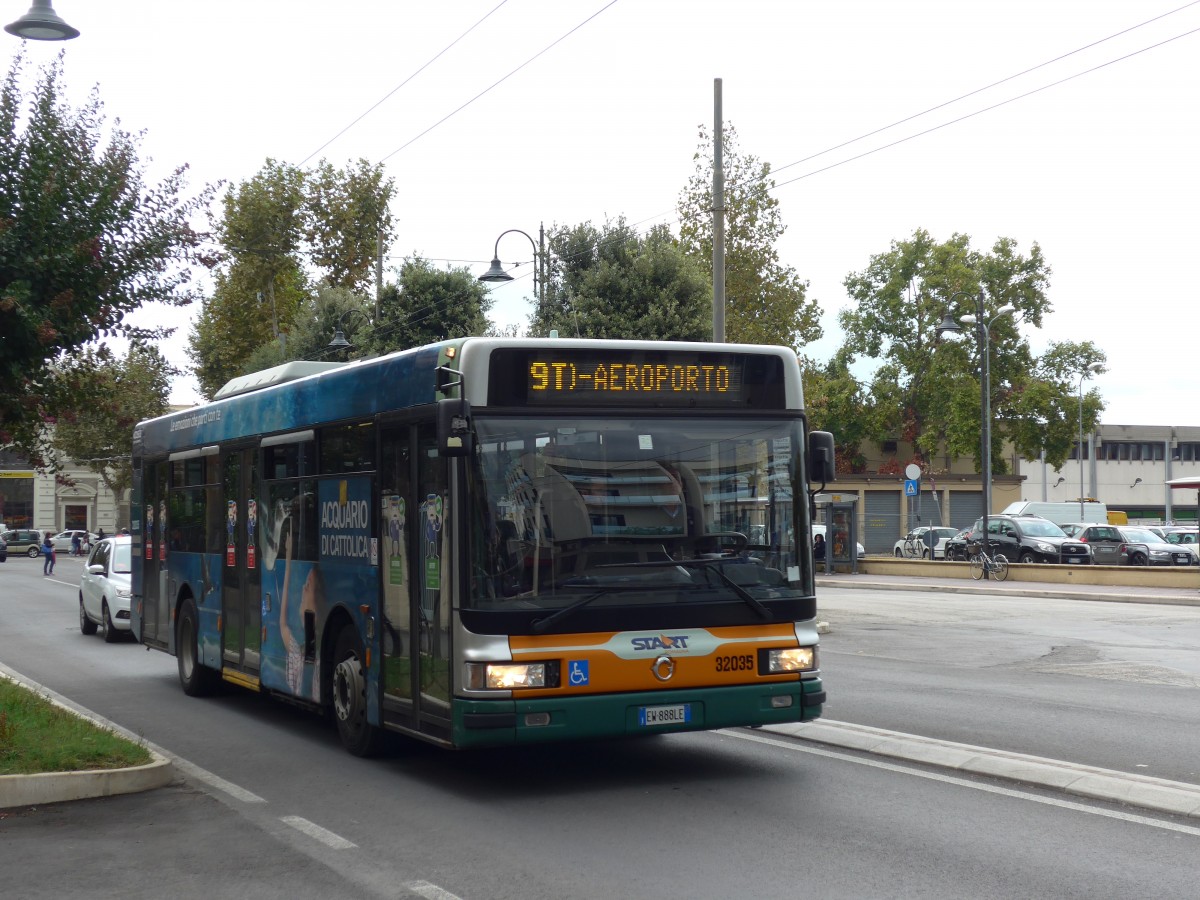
(241, 586)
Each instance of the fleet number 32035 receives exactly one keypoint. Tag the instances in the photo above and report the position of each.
(741, 663)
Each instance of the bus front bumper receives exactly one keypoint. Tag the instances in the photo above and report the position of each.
(489, 723)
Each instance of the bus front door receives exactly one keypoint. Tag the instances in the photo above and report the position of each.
(241, 586)
(415, 634)
(430, 587)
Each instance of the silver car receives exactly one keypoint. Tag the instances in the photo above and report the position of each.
(1105, 542)
(105, 588)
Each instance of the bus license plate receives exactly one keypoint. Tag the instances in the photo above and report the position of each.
(649, 716)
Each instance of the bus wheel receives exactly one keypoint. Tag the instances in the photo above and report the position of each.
(350, 697)
(197, 680)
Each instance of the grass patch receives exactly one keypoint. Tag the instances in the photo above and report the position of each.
(38, 736)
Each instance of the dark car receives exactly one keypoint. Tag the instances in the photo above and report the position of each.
(25, 540)
(1032, 539)
(956, 547)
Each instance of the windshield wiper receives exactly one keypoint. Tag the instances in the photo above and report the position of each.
(540, 625)
(712, 566)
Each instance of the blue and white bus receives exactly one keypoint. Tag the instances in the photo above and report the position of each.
(493, 541)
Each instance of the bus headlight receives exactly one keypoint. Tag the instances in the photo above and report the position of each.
(510, 676)
(792, 659)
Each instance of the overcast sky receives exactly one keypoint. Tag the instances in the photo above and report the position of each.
(565, 111)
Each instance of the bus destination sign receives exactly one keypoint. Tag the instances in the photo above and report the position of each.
(574, 377)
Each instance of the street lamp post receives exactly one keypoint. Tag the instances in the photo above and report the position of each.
(982, 329)
(339, 341)
(1088, 370)
(496, 273)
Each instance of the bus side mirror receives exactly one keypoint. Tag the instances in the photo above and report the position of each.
(820, 457)
(455, 437)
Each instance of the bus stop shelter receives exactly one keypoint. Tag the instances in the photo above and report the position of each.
(1188, 482)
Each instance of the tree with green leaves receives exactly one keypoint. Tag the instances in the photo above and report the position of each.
(276, 229)
(238, 319)
(927, 384)
(839, 403)
(313, 328)
(84, 241)
(114, 394)
(612, 282)
(349, 222)
(425, 305)
(766, 302)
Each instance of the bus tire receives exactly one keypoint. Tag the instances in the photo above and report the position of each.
(197, 680)
(350, 696)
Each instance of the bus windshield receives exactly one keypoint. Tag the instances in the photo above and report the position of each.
(609, 511)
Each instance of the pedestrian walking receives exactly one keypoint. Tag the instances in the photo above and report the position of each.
(48, 552)
(76, 544)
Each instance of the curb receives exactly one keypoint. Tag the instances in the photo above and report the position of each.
(1055, 593)
(1143, 791)
(56, 787)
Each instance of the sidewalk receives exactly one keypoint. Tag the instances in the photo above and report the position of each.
(1094, 592)
(1158, 794)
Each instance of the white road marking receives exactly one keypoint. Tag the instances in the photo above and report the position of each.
(315, 831)
(430, 891)
(215, 781)
(974, 785)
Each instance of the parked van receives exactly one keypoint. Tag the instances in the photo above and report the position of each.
(1060, 513)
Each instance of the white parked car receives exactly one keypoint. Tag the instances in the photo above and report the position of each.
(62, 540)
(915, 544)
(105, 587)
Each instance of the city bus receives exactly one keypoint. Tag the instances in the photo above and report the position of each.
(492, 541)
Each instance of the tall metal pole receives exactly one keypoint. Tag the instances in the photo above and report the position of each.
(378, 272)
(1082, 375)
(541, 268)
(986, 430)
(718, 216)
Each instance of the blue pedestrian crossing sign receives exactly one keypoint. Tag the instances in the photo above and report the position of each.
(912, 487)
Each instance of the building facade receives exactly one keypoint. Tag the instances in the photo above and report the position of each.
(1127, 467)
(75, 498)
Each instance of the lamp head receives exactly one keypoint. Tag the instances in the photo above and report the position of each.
(495, 273)
(948, 325)
(41, 24)
(1005, 310)
(339, 340)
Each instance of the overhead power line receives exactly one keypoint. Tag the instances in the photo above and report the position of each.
(385, 97)
(497, 83)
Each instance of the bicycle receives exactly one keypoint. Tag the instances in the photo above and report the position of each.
(995, 565)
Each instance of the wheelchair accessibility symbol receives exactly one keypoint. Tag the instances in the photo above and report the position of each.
(577, 672)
